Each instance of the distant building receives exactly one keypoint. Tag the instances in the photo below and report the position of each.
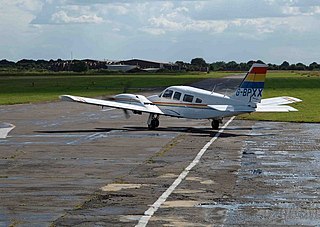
(121, 68)
(152, 65)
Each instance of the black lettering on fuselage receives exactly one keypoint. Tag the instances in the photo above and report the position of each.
(253, 92)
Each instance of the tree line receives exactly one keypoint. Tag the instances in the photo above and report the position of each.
(200, 63)
(196, 64)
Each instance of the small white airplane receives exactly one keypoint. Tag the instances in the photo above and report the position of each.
(194, 103)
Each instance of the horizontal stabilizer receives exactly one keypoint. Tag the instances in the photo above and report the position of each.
(275, 108)
(280, 100)
(147, 107)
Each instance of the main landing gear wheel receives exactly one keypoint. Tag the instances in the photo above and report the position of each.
(215, 124)
(153, 122)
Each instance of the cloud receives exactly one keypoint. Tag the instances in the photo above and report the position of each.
(176, 29)
(62, 17)
(30, 5)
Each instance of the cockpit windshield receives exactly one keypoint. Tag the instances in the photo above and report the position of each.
(167, 94)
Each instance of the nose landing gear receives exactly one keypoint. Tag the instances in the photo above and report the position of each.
(216, 123)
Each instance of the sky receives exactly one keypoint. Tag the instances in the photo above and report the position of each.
(168, 31)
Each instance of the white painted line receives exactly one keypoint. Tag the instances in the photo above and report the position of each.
(5, 128)
(154, 207)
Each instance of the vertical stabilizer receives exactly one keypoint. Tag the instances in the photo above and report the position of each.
(251, 88)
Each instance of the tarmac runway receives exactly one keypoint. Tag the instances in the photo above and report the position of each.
(66, 164)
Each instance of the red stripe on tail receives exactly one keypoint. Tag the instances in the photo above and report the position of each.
(259, 70)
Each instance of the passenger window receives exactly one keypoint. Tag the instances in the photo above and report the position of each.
(167, 94)
(177, 96)
(188, 98)
(198, 100)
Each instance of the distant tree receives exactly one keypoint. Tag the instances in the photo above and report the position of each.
(285, 65)
(218, 66)
(273, 66)
(314, 66)
(26, 62)
(260, 62)
(243, 66)
(292, 67)
(301, 66)
(232, 65)
(250, 63)
(6, 63)
(180, 63)
(199, 62)
(79, 66)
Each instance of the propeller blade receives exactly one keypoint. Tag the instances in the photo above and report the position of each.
(126, 114)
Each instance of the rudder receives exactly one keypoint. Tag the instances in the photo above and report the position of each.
(251, 88)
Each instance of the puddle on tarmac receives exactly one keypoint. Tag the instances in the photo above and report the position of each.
(286, 167)
(207, 182)
(168, 175)
(119, 187)
(129, 218)
(194, 179)
(175, 221)
(233, 206)
(179, 203)
(187, 191)
(201, 180)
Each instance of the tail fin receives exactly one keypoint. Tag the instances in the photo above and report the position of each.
(251, 88)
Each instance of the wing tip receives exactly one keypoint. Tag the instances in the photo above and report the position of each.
(67, 98)
(293, 99)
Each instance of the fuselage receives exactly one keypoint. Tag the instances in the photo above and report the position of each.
(193, 103)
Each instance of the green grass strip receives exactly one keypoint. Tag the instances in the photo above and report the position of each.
(305, 86)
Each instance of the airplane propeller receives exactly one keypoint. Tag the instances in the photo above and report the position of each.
(126, 114)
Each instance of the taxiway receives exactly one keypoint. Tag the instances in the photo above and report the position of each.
(68, 164)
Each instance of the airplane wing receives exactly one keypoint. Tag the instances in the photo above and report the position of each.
(147, 107)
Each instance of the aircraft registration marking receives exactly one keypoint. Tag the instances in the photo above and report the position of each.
(256, 92)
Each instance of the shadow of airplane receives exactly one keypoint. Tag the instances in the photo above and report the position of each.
(80, 130)
(202, 132)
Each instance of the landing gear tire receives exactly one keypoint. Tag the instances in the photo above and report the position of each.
(215, 124)
(154, 124)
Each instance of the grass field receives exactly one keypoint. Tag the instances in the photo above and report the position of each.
(303, 85)
(29, 88)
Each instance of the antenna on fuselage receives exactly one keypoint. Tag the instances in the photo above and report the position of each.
(225, 92)
(214, 88)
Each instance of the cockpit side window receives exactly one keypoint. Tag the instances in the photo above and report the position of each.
(188, 98)
(198, 100)
(167, 94)
(177, 95)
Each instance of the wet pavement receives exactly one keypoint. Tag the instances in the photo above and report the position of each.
(66, 164)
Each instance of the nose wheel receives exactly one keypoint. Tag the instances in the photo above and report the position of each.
(153, 121)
